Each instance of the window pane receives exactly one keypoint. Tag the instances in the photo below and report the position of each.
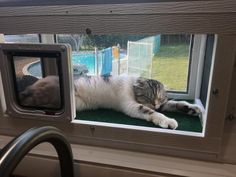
(171, 62)
(27, 66)
(161, 57)
(24, 38)
(31, 92)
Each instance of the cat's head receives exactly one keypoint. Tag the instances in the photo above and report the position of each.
(149, 92)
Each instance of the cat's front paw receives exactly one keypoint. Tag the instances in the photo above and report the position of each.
(166, 122)
(194, 110)
(169, 123)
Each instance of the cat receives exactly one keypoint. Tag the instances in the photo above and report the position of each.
(137, 97)
(43, 93)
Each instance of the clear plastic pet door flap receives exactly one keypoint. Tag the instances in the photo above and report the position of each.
(37, 81)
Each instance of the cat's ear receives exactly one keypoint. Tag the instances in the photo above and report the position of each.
(140, 83)
(165, 86)
(139, 87)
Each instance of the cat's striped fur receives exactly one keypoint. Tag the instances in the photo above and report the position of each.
(135, 96)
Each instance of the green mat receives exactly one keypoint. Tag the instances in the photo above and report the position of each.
(186, 122)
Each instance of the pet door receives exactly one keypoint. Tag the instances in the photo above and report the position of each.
(36, 79)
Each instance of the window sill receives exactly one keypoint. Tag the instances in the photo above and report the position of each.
(188, 125)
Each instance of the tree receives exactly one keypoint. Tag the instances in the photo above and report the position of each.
(78, 40)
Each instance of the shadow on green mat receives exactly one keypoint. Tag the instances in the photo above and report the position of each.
(186, 122)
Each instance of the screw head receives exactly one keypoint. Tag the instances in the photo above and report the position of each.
(63, 48)
(88, 31)
(231, 117)
(92, 129)
(215, 91)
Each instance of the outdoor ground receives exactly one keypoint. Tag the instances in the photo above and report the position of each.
(170, 66)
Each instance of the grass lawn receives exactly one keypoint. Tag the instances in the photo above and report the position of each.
(170, 66)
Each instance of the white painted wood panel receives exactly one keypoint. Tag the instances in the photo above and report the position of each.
(130, 24)
(177, 7)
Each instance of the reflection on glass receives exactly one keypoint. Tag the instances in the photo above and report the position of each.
(27, 66)
(161, 57)
(23, 38)
(37, 88)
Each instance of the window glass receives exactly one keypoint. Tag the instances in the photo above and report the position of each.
(161, 57)
(166, 58)
(31, 91)
(171, 62)
(24, 38)
(28, 66)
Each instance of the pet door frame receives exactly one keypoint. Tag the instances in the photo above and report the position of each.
(66, 112)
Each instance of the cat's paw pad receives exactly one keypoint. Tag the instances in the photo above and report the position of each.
(194, 110)
(191, 109)
(169, 123)
(166, 123)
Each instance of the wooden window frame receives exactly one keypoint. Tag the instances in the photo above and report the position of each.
(202, 17)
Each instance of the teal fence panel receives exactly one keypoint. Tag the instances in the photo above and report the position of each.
(155, 41)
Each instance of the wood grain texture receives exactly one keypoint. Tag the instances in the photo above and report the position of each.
(228, 153)
(152, 142)
(218, 16)
(221, 80)
(189, 7)
(135, 140)
(19, 3)
(104, 162)
(131, 24)
(200, 18)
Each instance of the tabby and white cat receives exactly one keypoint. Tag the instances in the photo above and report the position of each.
(135, 96)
